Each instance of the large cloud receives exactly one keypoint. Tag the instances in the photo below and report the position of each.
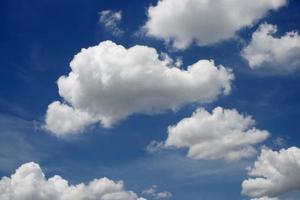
(204, 21)
(29, 183)
(222, 134)
(274, 174)
(273, 54)
(108, 83)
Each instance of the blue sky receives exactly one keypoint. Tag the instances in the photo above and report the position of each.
(38, 40)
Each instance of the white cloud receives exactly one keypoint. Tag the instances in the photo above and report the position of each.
(62, 119)
(271, 53)
(111, 19)
(222, 134)
(155, 146)
(163, 195)
(29, 183)
(204, 21)
(152, 191)
(274, 174)
(108, 83)
(265, 198)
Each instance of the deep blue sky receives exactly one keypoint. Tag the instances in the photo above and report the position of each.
(38, 39)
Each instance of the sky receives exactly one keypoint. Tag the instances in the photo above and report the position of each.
(181, 100)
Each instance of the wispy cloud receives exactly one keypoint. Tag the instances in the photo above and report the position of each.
(111, 20)
(14, 148)
(152, 191)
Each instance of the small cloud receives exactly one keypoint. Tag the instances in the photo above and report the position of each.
(111, 20)
(163, 195)
(152, 191)
(170, 61)
(279, 141)
(155, 146)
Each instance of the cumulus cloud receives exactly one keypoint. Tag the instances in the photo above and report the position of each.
(111, 20)
(108, 83)
(152, 191)
(221, 134)
(203, 21)
(29, 183)
(275, 173)
(62, 119)
(271, 53)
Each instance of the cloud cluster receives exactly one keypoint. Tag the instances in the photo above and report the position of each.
(111, 19)
(274, 174)
(29, 183)
(271, 53)
(221, 134)
(152, 191)
(205, 22)
(108, 83)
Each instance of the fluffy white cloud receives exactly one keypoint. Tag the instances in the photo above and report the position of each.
(62, 119)
(271, 53)
(29, 183)
(222, 134)
(204, 21)
(111, 19)
(152, 191)
(108, 83)
(274, 174)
